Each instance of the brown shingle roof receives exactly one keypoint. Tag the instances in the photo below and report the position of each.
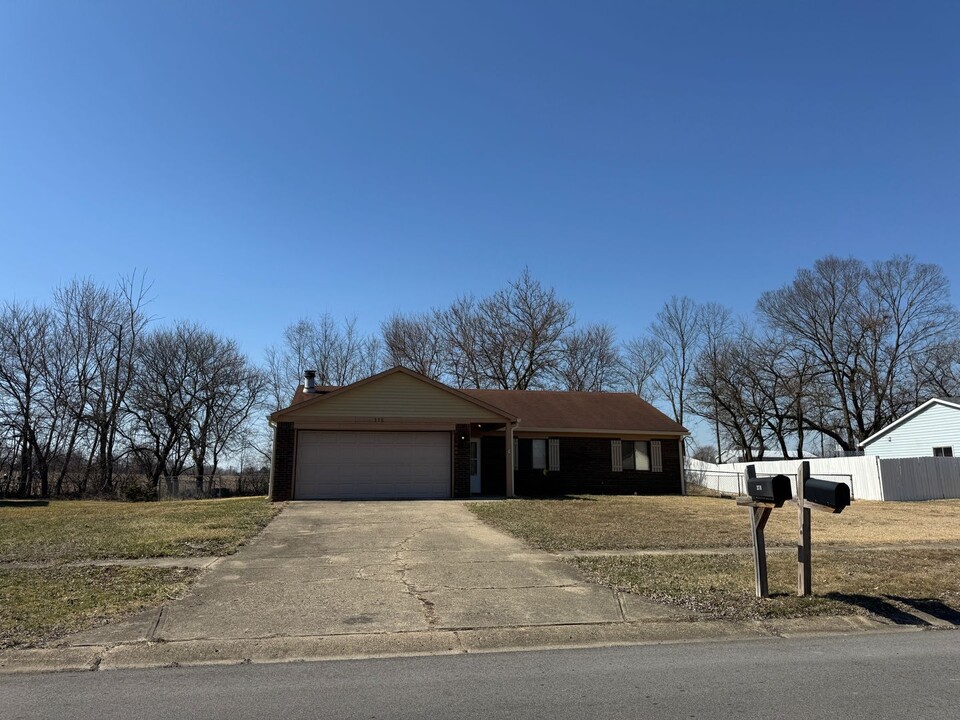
(555, 410)
(558, 410)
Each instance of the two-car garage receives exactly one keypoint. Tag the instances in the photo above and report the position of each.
(391, 436)
(362, 464)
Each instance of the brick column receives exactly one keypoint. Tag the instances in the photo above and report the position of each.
(281, 488)
(461, 461)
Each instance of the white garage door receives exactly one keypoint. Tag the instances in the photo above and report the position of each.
(372, 465)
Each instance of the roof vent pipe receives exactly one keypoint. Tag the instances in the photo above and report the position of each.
(309, 381)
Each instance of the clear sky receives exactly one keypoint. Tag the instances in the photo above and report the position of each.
(267, 161)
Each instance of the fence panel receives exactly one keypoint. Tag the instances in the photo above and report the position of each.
(862, 473)
(921, 478)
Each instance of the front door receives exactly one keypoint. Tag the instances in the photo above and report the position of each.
(475, 467)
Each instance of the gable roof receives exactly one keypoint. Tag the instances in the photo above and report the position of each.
(534, 410)
(950, 402)
(303, 399)
(588, 411)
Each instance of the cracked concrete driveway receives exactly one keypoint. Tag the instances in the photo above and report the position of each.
(333, 568)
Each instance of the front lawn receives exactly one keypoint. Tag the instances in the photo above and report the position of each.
(851, 573)
(71, 530)
(605, 522)
(888, 584)
(39, 605)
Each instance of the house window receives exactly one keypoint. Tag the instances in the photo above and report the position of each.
(539, 450)
(634, 455)
(943, 452)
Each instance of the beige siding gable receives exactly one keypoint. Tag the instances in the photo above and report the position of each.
(396, 395)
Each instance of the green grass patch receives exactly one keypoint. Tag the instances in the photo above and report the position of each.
(69, 530)
(888, 584)
(39, 605)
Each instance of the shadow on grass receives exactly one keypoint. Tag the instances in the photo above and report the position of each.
(935, 608)
(24, 503)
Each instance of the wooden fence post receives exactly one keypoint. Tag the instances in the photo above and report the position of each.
(804, 572)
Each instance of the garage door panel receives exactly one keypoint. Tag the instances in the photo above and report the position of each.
(334, 464)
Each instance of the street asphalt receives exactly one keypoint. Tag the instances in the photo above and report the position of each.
(905, 675)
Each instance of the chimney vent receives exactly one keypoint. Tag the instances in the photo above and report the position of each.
(309, 381)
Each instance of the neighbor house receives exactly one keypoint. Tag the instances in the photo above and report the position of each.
(399, 434)
(932, 429)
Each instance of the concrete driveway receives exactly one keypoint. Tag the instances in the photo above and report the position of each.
(335, 568)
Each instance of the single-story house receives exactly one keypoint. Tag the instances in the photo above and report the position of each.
(930, 430)
(399, 434)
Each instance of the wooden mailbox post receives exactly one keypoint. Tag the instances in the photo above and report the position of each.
(804, 568)
(769, 493)
(759, 514)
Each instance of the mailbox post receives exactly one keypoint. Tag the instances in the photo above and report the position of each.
(768, 493)
(804, 568)
(764, 495)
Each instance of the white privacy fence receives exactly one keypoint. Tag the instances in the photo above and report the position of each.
(869, 478)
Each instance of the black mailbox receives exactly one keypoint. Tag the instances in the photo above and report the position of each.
(774, 489)
(830, 494)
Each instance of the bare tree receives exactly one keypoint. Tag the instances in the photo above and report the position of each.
(161, 403)
(589, 360)
(459, 327)
(678, 328)
(196, 393)
(725, 390)
(641, 359)
(717, 323)
(24, 339)
(415, 342)
(866, 328)
(337, 352)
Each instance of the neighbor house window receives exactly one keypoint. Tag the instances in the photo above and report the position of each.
(943, 452)
(634, 455)
(539, 451)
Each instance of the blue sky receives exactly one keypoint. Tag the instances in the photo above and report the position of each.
(267, 161)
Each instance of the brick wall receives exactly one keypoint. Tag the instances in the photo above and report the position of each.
(585, 467)
(461, 461)
(283, 451)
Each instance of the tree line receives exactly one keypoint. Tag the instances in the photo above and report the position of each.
(836, 354)
(94, 393)
(94, 397)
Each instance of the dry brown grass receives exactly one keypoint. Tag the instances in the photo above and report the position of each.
(890, 584)
(671, 522)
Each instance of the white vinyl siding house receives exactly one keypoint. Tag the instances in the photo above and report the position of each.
(933, 429)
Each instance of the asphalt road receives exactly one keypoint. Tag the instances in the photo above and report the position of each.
(906, 675)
